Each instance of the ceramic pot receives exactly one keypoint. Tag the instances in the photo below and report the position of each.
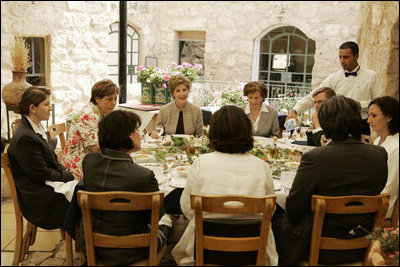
(13, 91)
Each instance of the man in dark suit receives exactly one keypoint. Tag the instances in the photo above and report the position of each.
(315, 132)
(345, 166)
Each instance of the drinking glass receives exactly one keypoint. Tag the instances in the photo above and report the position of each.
(285, 135)
(169, 159)
(159, 130)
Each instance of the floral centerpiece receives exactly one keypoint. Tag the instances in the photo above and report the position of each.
(186, 69)
(385, 248)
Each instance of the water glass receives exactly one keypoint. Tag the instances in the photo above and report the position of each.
(285, 135)
(159, 129)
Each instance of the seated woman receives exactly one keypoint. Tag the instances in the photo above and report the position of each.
(180, 116)
(114, 170)
(383, 117)
(264, 119)
(231, 169)
(358, 169)
(34, 163)
(82, 126)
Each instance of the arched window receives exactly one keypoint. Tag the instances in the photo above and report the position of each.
(132, 57)
(286, 59)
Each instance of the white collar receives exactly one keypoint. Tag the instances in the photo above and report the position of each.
(355, 69)
(38, 130)
(263, 108)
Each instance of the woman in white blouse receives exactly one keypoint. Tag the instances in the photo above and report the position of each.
(264, 119)
(231, 169)
(383, 117)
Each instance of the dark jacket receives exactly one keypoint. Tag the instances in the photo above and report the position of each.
(314, 139)
(338, 169)
(115, 171)
(33, 162)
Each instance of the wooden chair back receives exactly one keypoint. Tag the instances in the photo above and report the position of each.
(23, 242)
(395, 214)
(121, 201)
(232, 204)
(55, 130)
(322, 205)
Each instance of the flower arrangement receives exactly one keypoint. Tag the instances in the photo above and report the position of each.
(388, 244)
(188, 70)
(233, 95)
(20, 55)
(158, 76)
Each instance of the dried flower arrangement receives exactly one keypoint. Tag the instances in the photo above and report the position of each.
(20, 54)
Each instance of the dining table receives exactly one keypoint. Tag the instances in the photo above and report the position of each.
(170, 158)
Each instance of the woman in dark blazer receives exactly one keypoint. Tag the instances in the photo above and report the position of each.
(264, 119)
(33, 162)
(345, 166)
(114, 170)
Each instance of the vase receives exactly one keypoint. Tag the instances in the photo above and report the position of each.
(12, 92)
(147, 94)
(161, 94)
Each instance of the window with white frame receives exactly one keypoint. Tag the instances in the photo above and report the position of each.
(132, 56)
(286, 59)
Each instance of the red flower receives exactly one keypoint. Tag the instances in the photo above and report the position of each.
(86, 117)
(77, 159)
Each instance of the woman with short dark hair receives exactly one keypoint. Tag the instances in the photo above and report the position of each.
(34, 164)
(264, 119)
(383, 117)
(82, 124)
(114, 170)
(231, 169)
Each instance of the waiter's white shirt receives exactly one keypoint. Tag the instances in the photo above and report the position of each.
(363, 88)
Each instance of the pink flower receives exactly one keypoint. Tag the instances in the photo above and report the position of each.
(166, 78)
(164, 85)
(141, 67)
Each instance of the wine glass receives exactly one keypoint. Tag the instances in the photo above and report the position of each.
(285, 135)
(169, 159)
(159, 130)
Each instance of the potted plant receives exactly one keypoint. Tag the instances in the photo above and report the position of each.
(13, 91)
(385, 247)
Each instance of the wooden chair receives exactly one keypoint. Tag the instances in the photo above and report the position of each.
(132, 201)
(395, 214)
(322, 205)
(23, 242)
(228, 204)
(55, 130)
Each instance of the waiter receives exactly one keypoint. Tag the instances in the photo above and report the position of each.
(354, 81)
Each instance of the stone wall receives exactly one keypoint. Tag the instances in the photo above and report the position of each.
(76, 35)
(378, 38)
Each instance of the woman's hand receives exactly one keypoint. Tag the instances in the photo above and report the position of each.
(77, 173)
(154, 135)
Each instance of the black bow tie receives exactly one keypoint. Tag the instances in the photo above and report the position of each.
(350, 73)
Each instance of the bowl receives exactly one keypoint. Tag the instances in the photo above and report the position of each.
(140, 158)
(182, 171)
(292, 164)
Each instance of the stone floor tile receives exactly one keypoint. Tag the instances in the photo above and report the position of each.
(45, 241)
(7, 258)
(7, 206)
(7, 236)
(7, 221)
(35, 258)
(53, 262)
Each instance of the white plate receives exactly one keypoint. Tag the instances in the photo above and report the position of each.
(187, 136)
(281, 140)
(178, 183)
(148, 145)
(182, 171)
(140, 158)
(292, 164)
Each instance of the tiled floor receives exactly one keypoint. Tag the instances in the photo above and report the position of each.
(49, 249)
